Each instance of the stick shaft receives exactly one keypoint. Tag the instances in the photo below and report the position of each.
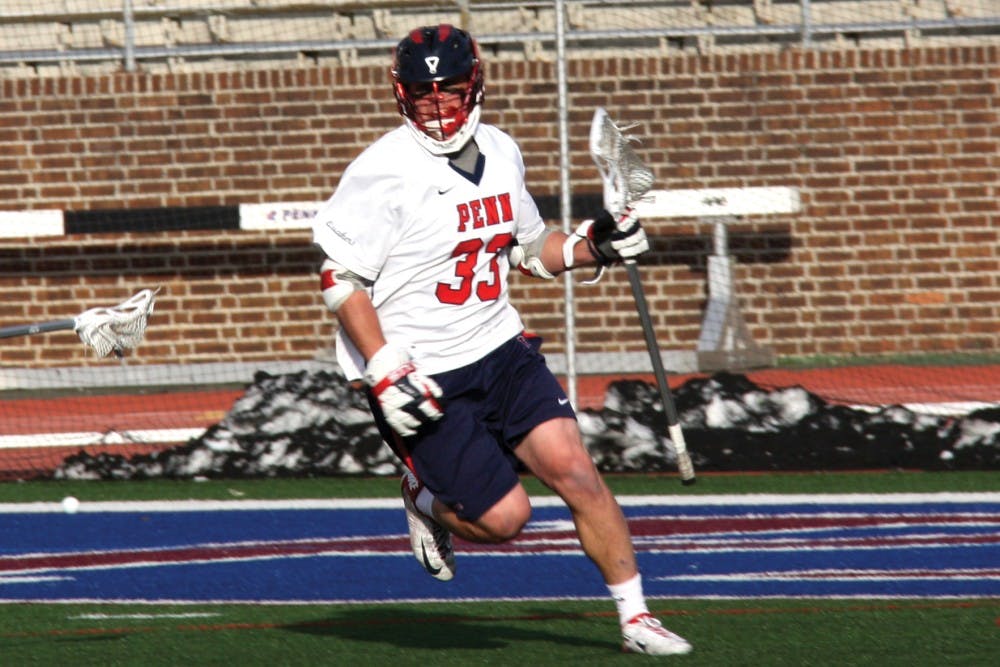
(626, 179)
(42, 327)
(684, 464)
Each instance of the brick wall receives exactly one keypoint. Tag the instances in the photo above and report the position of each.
(895, 153)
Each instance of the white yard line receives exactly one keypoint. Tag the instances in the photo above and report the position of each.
(540, 501)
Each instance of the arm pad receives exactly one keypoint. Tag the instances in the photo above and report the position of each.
(581, 234)
(527, 258)
(338, 283)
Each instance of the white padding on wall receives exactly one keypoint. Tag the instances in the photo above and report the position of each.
(44, 222)
(718, 202)
(279, 215)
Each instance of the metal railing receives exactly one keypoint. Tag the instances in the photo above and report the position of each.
(129, 53)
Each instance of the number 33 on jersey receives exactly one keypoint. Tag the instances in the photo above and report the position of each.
(430, 237)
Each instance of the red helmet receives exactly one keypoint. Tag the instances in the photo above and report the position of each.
(429, 61)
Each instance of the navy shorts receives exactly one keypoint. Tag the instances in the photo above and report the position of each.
(466, 458)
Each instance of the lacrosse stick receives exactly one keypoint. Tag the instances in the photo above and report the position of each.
(107, 330)
(626, 179)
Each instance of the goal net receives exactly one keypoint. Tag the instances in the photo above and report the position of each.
(823, 277)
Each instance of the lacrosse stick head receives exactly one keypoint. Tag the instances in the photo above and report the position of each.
(117, 328)
(625, 178)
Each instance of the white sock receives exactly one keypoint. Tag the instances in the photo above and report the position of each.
(629, 599)
(425, 502)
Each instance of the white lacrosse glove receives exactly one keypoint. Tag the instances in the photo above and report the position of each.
(617, 240)
(408, 399)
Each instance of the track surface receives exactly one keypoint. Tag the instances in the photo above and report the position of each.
(870, 546)
(37, 434)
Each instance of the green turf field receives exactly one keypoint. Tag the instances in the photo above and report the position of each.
(906, 633)
(656, 484)
(724, 632)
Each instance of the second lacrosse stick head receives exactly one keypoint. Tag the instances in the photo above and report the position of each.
(118, 328)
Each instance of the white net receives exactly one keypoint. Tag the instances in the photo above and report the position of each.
(117, 328)
(824, 197)
(625, 177)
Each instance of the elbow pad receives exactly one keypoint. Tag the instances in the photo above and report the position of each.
(337, 283)
(527, 260)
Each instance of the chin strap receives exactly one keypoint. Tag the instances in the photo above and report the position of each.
(454, 143)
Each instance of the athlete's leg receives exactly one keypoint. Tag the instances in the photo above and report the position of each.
(471, 486)
(500, 523)
(554, 452)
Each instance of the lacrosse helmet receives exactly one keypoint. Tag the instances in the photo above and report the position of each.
(429, 61)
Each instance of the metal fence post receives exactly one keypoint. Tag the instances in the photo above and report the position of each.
(806, 23)
(128, 19)
(565, 199)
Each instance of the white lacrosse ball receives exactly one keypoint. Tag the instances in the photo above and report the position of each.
(70, 505)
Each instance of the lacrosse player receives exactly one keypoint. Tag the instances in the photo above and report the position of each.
(419, 237)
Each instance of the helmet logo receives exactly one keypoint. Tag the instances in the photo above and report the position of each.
(432, 64)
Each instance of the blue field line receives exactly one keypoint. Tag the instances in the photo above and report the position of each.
(146, 552)
(133, 530)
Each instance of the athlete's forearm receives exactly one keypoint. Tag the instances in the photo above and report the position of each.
(552, 253)
(360, 322)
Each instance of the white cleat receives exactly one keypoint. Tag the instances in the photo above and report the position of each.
(645, 634)
(430, 541)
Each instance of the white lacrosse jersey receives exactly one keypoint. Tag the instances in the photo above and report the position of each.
(434, 244)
